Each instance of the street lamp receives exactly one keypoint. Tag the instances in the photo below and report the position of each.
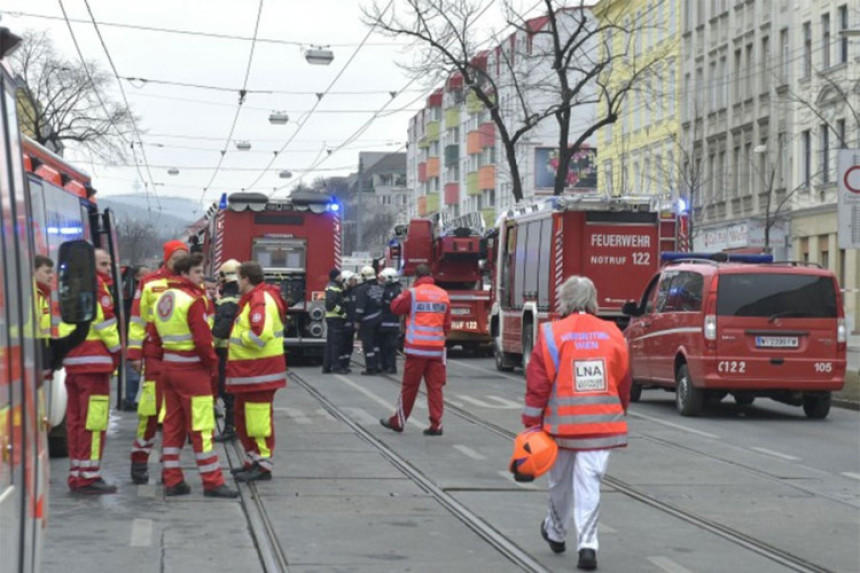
(285, 174)
(319, 55)
(278, 118)
(173, 171)
(243, 145)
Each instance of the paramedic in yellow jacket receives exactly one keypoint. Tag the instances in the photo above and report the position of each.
(256, 368)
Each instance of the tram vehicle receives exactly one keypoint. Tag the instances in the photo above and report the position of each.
(23, 402)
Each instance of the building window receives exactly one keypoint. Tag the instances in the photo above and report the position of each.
(764, 75)
(607, 176)
(807, 49)
(806, 154)
(712, 93)
(840, 130)
(748, 180)
(825, 41)
(738, 77)
(748, 70)
(724, 84)
(784, 58)
(825, 153)
(736, 192)
(843, 39)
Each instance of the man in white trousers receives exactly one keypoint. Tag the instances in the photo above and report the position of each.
(577, 389)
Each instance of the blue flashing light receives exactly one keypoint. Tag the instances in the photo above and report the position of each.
(682, 205)
(334, 207)
(667, 257)
(222, 204)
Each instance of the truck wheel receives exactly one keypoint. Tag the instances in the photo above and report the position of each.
(635, 392)
(503, 362)
(688, 398)
(528, 346)
(816, 406)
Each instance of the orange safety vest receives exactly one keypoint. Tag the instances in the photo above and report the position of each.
(587, 358)
(425, 325)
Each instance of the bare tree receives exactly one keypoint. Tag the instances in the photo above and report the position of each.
(139, 241)
(65, 101)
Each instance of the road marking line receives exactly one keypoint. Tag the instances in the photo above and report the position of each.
(385, 403)
(141, 533)
(503, 403)
(361, 416)
(146, 490)
(510, 477)
(671, 425)
(296, 414)
(851, 475)
(603, 528)
(469, 452)
(520, 379)
(776, 454)
(667, 565)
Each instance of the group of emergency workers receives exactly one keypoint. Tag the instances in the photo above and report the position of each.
(577, 381)
(190, 347)
(362, 303)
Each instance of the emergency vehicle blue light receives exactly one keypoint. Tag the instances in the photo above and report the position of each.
(222, 204)
(334, 207)
(718, 257)
(682, 206)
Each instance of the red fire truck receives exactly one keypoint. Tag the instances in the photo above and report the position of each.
(616, 242)
(297, 240)
(454, 249)
(23, 409)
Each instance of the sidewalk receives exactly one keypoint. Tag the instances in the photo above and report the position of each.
(850, 395)
(138, 529)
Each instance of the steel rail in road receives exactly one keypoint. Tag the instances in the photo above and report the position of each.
(784, 558)
(491, 535)
(272, 555)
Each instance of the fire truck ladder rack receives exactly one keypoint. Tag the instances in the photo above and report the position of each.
(586, 202)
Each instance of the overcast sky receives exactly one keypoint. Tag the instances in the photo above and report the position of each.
(186, 127)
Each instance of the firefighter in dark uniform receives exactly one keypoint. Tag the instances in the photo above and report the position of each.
(389, 328)
(225, 315)
(368, 313)
(350, 281)
(335, 316)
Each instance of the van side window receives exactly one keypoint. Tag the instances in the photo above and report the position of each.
(647, 304)
(685, 293)
(662, 294)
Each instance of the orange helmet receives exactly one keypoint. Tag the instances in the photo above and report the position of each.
(534, 454)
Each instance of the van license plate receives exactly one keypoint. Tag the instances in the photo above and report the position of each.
(776, 341)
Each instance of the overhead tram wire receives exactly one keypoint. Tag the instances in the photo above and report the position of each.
(319, 100)
(239, 107)
(210, 87)
(125, 100)
(104, 107)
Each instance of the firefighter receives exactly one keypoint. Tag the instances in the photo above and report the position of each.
(142, 357)
(335, 316)
(132, 376)
(181, 330)
(577, 389)
(88, 371)
(428, 321)
(256, 368)
(389, 327)
(225, 314)
(368, 312)
(350, 281)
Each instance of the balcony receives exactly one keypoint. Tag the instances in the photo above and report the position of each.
(433, 131)
(432, 167)
(473, 142)
(487, 177)
(489, 216)
(472, 184)
(422, 206)
(452, 193)
(422, 172)
(452, 117)
(423, 143)
(452, 155)
(488, 134)
(432, 203)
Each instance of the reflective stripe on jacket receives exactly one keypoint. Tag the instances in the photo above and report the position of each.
(143, 308)
(587, 358)
(425, 325)
(95, 354)
(334, 306)
(255, 355)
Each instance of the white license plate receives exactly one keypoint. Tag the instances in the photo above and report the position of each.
(461, 311)
(776, 342)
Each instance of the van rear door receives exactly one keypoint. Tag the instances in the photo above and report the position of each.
(776, 325)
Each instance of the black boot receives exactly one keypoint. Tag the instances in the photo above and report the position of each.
(256, 473)
(556, 546)
(587, 560)
(182, 488)
(140, 473)
(98, 487)
(221, 491)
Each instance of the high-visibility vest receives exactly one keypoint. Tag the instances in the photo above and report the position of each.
(425, 325)
(94, 355)
(338, 311)
(142, 312)
(171, 322)
(256, 363)
(43, 312)
(587, 358)
(222, 342)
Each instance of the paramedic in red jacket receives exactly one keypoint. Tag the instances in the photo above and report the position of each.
(577, 389)
(428, 321)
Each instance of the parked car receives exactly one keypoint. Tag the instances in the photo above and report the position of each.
(708, 327)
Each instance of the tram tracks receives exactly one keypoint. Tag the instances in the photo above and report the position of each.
(785, 558)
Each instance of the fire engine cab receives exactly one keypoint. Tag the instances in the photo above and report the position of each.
(614, 241)
(454, 249)
(297, 240)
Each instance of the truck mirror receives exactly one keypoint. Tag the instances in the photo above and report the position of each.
(76, 280)
(630, 308)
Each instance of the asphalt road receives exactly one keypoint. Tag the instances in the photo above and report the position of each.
(759, 488)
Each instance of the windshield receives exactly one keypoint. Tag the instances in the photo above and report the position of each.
(776, 295)
(280, 254)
